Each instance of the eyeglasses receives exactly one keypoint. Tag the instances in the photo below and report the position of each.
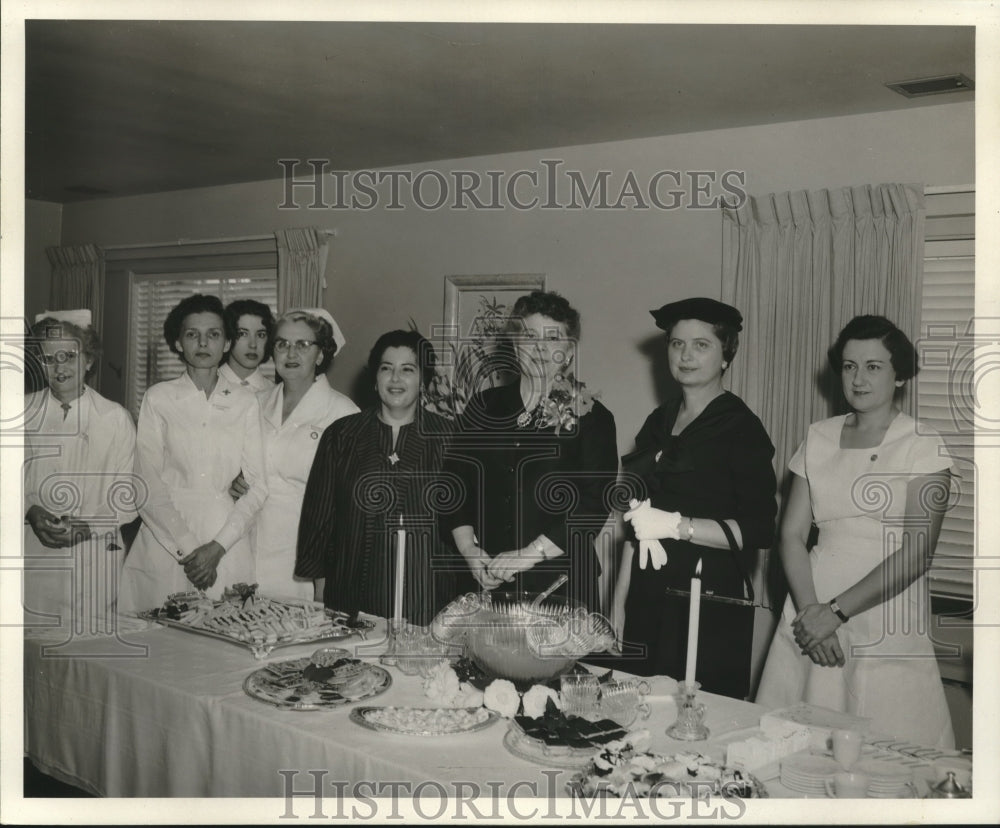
(59, 357)
(282, 345)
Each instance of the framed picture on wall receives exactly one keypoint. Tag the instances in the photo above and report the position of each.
(472, 355)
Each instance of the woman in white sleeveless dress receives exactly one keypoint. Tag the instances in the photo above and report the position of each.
(854, 635)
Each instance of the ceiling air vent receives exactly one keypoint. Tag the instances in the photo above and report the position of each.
(933, 86)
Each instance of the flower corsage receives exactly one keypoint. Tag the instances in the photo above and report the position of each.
(567, 401)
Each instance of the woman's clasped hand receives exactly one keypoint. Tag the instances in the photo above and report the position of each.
(507, 565)
(201, 566)
(815, 631)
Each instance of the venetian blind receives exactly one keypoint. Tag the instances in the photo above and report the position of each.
(152, 297)
(945, 384)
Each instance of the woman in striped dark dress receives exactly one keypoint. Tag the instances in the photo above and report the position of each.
(370, 470)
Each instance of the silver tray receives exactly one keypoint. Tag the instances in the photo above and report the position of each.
(262, 650)
(283, 692)
(359, 715)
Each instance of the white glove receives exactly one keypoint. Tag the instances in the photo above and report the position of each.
(650, 549)
(654, 550)
(650, 523)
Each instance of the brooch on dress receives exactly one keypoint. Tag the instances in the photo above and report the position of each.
(394, 458)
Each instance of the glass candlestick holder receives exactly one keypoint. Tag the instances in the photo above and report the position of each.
(689, 726)
(395, 628)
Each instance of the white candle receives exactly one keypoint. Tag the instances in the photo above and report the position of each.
(694, 613)
(397, 610)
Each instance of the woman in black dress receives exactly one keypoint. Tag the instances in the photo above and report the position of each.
(370, 469)
(537, 458)
(702, 458)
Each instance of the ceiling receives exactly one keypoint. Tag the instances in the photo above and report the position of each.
(117, 108)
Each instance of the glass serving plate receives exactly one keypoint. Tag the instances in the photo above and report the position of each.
(517, 742)
(423, 721)
(261, 649)
(554, 749)
(283, 684)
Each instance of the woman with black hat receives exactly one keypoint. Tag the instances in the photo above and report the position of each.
(703, 461)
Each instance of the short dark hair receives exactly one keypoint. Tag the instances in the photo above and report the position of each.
(195, 303)
(250, 307)
(50, 328)
(546, 303)
(321, 330)
(901, 351)
(416, 342)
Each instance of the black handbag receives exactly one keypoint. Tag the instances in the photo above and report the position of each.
(725, 632)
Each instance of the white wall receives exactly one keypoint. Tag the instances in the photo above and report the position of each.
(387, 266)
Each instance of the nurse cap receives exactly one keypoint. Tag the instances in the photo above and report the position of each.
(323, 313)
(81, 317)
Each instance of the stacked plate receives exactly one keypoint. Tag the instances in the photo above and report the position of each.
(888, 780)
(805, 773)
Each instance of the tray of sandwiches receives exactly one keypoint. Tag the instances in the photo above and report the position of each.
(261, 624)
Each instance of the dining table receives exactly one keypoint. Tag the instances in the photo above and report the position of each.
(160, 712)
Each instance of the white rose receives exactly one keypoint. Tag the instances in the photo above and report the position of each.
(534, 701)
(501, 696)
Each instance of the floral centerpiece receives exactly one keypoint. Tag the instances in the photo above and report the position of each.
(443, 685)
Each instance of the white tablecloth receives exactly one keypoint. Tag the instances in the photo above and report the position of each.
(175, 721)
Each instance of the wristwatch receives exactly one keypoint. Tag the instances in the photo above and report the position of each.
(690, 530)
(838, 611)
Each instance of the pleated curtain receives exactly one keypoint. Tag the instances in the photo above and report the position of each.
(302, 253)
(78, 280)
(799, 266)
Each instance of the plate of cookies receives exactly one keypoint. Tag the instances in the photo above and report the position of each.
(328, 679)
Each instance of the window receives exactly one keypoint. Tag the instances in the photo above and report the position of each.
(150, 359)
(945, 390)
(145, 282)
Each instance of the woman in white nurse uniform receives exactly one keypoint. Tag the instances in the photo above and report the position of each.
(195, 434)
(78, 485)
(294, 415)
